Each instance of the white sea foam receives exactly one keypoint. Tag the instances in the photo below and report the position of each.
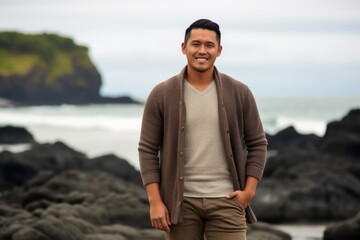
(15, 148)
(302, 125)
(71, 117)
(74, 117)
(110, 123)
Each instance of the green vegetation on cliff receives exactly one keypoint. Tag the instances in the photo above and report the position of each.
(53, 54)
(46, 69)
(43, 69)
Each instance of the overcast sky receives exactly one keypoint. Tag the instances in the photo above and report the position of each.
(277, 47)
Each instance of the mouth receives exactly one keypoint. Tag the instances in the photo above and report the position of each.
(201, 59)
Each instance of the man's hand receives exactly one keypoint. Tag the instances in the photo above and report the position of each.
(244, 197)
(159, 216)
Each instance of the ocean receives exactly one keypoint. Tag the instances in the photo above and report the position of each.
(114, 128)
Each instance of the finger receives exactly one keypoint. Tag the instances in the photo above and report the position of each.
(165, 225)
(158, 224)
(231, 195)
(154, 224)
(168, 218)
(161, 224)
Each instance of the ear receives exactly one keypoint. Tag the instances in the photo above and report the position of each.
(183, 48)
(219, 51)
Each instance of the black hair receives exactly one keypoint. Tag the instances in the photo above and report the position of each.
(203, 24)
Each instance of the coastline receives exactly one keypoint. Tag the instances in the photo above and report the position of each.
(299, 158)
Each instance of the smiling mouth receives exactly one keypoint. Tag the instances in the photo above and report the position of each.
(202, 59)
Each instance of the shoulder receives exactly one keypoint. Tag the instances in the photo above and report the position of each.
(163, 86)
(171, 85)
(164, 91)
(230, 83)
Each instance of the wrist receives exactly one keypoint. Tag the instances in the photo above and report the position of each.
(250, 187)
(154, 201)
(250, 192)
(153, 193)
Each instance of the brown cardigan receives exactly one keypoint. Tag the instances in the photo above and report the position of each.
(161, 146)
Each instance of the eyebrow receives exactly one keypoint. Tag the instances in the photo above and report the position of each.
(206, 42)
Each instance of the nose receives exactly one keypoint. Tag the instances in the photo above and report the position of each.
(202, 49)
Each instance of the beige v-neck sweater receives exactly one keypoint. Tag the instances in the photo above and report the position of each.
(162, 138)
(206, 171)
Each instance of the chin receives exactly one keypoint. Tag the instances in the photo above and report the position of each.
(201, 69)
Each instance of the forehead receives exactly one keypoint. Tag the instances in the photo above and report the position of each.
(199, 34)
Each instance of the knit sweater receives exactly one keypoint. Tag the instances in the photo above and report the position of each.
(162, 138)
(206, 170)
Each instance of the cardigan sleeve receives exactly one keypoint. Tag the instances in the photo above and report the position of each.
(254, 137)
(151, 137)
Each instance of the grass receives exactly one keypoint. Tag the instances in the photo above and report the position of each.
(12, 63)
(54, 56)
(61, 65)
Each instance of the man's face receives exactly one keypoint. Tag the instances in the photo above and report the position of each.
(201, 49)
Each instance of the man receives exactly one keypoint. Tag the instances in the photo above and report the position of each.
(202, 148)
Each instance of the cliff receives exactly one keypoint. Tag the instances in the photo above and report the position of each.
(48, 69)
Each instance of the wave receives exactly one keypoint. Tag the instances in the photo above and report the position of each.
(112, 123)
(109, 123)
(273, 125)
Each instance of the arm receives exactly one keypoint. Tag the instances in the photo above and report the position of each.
(149, 145)
(255, 140)
(151, 139)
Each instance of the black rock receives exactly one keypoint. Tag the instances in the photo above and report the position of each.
(290, 138)
(72, 204)
(15, 135)
(349, 230)
(303, 183)
(343, 137)
(16, 168)
(264, 231)
(116, 167)
(81, 205)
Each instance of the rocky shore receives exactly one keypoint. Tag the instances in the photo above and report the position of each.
(314, 179)
(52, 191)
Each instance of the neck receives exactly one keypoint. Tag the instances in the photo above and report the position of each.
(199, 80)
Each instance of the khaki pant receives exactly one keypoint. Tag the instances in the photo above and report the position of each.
(216, 218)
